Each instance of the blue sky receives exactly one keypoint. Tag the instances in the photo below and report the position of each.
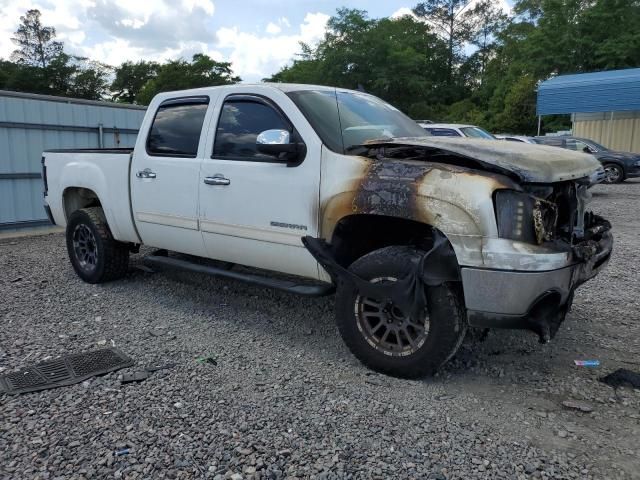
(257, 36)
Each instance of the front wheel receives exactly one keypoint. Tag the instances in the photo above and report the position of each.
(613, 173)
(386, 339)
(95, 255)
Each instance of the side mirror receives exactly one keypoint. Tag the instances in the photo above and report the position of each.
(277, 142)
(587, 150)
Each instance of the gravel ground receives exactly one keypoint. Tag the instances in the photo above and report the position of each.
(286, 399)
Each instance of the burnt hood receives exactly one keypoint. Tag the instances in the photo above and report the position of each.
(531, 163)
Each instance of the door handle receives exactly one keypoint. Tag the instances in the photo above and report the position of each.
(217, 179)
(146, 173)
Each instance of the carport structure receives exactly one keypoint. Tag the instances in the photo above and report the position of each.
(604, 106)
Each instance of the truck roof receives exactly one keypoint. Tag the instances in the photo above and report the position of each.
(284, 87)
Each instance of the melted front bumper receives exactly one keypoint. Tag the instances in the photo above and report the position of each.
(516, 299)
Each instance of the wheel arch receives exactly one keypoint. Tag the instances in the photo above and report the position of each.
(75, 198)
(359, 234)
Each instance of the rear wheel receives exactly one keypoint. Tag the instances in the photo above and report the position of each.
(613, 173)
(382, 336)
(95, 255)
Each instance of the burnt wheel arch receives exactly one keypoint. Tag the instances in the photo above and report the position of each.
(357, 235)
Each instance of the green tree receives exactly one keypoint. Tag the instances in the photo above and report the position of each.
(519, 110)
(36, 44)
(130, 78)
(488, 19)
(202, 71)
(360, 53)
(90, 79)
(454, 22)
(611, 35)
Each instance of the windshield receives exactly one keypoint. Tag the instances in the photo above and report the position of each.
(476, 132)
(347, 119)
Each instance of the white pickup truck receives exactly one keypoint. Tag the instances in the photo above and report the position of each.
(421, 236)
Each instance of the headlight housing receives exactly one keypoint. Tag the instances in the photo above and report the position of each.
(523, 217)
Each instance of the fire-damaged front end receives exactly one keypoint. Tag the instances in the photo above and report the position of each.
(514, 216)
(545, 223)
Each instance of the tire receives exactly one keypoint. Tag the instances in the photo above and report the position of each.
(436, 345)
(613, 173)
(95, 255)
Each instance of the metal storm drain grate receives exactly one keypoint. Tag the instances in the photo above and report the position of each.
(64, 371)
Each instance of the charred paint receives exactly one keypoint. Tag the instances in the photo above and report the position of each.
(428, 192)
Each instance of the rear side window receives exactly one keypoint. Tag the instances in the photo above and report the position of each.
(442, 132)
(553, 142)
(177, 126)
(240, 123)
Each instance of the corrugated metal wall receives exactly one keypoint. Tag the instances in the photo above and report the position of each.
(30, 124)
(620, 133)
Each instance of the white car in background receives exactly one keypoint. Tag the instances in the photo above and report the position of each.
(456, 130)
(516, 138)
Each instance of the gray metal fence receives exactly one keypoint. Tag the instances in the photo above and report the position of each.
(32, 123)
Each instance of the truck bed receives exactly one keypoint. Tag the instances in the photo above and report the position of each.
(90, 150)
(104, 171)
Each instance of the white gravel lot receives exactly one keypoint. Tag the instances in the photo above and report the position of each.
(286, 399)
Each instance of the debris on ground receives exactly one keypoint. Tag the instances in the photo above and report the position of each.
(587, 363)
(155, 368)
(121, 452)
(141, 375)
(211, 360)
(64, 371)
(622, 378)
(135, 377)
(577, 405)
(17, 279)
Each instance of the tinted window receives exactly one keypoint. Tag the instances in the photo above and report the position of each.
(477, 132)
(513, 139)
(239, 125)
(347, 119)
(554, 142)
(176, 128)
(443, 132)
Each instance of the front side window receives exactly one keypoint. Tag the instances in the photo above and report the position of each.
(443, 132)
(577, 145)
(177, 127)
(240, 123)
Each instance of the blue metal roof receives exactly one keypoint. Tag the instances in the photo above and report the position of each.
(611, 91)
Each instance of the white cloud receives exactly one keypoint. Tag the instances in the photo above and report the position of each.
(114, 31)
(402, 12)
(205, 5)
(65, 16)
(255, 57)
(273, 29)
(284, 21)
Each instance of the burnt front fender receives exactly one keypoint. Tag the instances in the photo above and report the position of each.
(454, 200)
